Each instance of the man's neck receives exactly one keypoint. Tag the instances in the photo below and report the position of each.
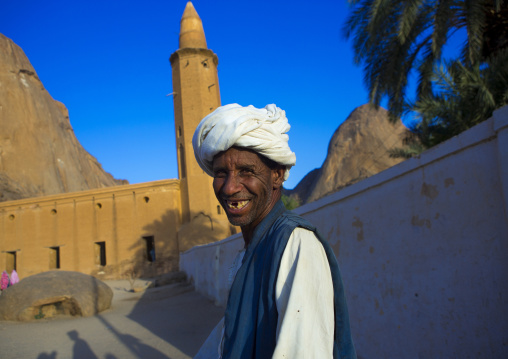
(246, 238)
(248, 230)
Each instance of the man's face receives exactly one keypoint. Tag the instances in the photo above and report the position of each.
(245, 186)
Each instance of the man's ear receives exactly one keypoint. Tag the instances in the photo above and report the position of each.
(278, 177)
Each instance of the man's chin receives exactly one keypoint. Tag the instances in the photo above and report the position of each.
(238, 220)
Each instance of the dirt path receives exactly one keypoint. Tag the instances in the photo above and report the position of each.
(166, 322)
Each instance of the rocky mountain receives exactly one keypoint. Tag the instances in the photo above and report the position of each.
(39, 153)
(358, 149)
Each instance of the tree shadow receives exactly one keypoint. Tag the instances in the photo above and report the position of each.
(135, 345)
(158, 249)
(155, 252)
(177, 315)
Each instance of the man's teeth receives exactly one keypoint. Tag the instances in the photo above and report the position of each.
(237, 204)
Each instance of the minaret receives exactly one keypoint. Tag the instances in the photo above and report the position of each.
(195, 94)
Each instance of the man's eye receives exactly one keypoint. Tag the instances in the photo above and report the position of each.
(219, 174)
(247, 172)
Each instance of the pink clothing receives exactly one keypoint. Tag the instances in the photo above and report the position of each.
(4, 281)
(14, 277)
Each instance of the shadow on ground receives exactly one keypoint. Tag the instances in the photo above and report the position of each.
(187, 317)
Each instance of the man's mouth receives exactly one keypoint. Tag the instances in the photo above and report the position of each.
(234, 204)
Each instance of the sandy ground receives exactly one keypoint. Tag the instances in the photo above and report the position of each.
(165, 322)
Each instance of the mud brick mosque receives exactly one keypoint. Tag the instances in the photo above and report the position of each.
(137, 229)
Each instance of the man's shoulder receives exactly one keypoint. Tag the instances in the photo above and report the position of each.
(293, 220)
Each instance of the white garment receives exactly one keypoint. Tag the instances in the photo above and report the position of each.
(304, 299)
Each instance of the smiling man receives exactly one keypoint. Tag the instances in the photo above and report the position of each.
(287, 298)
(244, 184)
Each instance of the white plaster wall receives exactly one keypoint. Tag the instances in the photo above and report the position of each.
(423, 250)
(207, 266)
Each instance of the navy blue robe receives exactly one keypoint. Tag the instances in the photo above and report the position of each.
(251, 313)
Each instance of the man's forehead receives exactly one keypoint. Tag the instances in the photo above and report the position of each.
(238, 154)
(237, 149)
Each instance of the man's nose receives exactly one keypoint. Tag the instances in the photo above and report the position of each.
(231, 185)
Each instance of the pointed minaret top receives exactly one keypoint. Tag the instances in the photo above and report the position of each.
(191, 29)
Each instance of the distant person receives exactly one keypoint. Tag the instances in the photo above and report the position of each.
(14, 277)
(4, 281)
(287, 298)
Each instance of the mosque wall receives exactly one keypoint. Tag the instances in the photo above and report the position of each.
(110, 232)
(423, 250)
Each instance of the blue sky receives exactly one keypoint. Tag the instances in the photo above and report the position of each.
(107, 61)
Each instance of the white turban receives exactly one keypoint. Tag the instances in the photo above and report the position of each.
(262, 130)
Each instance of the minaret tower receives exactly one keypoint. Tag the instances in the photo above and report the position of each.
(195, 94)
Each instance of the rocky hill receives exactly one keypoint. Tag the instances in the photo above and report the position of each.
(39, 153)
(358, 149)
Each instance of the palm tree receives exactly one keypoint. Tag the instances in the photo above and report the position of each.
(393, 38)
(461, 98)
(465, 96)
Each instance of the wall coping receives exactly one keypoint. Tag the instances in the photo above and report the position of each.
(175, 183)
(500, 118)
